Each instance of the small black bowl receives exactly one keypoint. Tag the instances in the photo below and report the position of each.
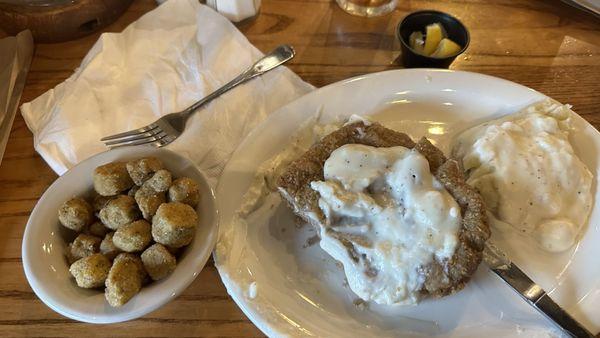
(417, 21)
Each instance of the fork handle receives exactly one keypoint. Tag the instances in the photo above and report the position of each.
(270, 61)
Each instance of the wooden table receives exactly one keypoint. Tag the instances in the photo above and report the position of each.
(543, 44)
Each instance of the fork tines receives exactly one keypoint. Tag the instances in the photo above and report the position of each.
(150, 134)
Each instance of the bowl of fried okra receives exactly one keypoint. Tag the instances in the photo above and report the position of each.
(131, 228)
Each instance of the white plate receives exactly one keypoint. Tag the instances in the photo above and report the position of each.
(286, 288)
(44, 245)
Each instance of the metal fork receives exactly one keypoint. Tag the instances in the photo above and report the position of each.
(169, 127)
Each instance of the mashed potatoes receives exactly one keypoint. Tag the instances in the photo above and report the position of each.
(529, 175)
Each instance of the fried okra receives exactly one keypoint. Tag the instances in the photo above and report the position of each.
(111, 179)
(158, 261)
(119, 211)
(174, 224)
(91, 271)
(75, 214)
(133, 236)
(160, 181)
(99, 201)
(124, 279)
(142, 169)
(133, 190)
(97, 229)
(108, 248)
(83, 246)
(185, 190)
(149, 200)
(111, 227)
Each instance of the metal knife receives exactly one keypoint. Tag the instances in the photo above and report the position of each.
(501, 265)
(586, 6)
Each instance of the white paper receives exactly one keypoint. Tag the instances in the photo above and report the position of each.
(162, 63)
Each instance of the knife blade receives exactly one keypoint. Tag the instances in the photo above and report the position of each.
(501, 265)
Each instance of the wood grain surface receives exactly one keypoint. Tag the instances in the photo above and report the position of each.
(543, 44)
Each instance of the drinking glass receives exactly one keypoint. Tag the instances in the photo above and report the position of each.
(368, 7)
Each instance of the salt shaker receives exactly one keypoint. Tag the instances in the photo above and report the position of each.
(235, 10)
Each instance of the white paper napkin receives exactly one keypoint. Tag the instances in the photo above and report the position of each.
(162, 63)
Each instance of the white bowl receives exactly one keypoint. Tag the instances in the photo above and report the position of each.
(44, 244)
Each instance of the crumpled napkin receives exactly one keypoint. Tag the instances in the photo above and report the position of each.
(162, 63)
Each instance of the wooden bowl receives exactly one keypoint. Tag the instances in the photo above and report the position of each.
(64, 21)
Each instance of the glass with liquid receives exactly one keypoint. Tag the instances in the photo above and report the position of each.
(368, 7)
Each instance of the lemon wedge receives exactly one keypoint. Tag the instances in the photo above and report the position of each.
(446, 48)
(434, 34)
(417, 42)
